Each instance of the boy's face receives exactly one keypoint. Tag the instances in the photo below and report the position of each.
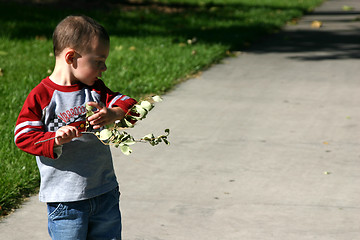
(89, 66)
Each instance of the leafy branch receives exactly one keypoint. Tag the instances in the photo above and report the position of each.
(115, 135)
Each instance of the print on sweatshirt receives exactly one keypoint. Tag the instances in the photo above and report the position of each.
(83, 168)
(50, 106)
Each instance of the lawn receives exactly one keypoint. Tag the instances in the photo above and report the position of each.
(154, 46)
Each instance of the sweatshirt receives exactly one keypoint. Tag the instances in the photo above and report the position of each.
(82, 168)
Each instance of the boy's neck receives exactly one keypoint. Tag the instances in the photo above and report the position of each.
(61, 76)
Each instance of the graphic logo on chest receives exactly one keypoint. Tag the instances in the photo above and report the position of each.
(73, 117)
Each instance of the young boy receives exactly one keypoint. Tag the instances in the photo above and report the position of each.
(78, 182)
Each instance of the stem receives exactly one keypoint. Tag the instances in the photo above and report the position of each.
(46, 140)
(56, 137)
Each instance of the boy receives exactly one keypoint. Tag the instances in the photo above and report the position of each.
(78, 182)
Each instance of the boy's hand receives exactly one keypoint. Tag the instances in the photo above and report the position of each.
(104, 115)
(65, 134)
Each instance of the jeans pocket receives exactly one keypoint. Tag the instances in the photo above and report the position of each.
(54, 209)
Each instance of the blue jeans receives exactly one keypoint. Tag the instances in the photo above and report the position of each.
(95, 218)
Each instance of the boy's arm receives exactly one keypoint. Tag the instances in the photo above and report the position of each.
(30, 129)
(26, 138)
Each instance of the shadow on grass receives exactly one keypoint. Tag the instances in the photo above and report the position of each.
(233, 25)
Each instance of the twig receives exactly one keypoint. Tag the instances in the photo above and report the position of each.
(46, 140)
(57, 137)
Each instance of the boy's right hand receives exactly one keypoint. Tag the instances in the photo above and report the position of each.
(65, 134)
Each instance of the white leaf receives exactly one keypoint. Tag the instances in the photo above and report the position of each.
(125, 149)
(157, 98)
(129, 142)
(105, 134)
(88, 107)
(146, 105)
(141, 111)
(149, 136)
(129, 124)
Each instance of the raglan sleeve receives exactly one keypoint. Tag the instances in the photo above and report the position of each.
(116, 99)
(30, 129)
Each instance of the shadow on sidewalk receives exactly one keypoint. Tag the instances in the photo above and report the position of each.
(330, 42)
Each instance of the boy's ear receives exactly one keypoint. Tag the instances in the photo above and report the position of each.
(69, 56)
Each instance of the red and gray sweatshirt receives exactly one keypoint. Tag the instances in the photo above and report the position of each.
(82, 168)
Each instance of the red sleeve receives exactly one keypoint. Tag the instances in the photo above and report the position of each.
(30, 128)
(114, 99)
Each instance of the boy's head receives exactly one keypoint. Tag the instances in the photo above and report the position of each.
(79, 33)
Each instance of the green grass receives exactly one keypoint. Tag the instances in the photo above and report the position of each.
(149, 54)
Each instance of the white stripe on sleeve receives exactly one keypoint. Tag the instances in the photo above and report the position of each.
(28, 123)
(25, 130)
(119, 96)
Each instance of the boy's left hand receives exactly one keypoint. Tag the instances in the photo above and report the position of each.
(104, 115)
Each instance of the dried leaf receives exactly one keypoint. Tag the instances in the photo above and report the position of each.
(192, 41)
(316, 24)
(293, 21)
(347, 8)
(40, 38)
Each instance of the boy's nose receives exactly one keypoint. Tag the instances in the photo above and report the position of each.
(103, 68)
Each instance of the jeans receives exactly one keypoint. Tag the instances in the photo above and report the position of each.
(95, 218)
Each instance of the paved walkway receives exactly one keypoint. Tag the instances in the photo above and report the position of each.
(264, 146)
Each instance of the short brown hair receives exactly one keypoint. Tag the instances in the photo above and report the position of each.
(77, 32)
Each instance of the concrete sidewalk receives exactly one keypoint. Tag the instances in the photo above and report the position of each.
(264, 146)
